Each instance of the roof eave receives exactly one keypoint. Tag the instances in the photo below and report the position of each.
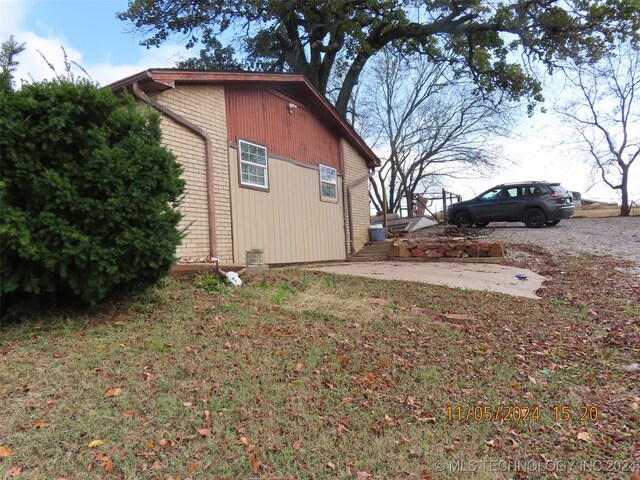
(162, 79)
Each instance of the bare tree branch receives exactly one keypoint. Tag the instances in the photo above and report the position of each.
(428, 124)
(606, 115)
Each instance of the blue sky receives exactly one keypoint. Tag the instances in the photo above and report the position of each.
(90, 24)
(102, 44)
(89, 32)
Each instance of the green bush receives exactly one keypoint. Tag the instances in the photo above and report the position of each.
(88, 196)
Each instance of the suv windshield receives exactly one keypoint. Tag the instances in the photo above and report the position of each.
(491, 194)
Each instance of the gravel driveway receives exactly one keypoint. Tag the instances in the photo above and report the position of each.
(612, 236)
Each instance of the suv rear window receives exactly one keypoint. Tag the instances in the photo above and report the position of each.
(560, 190)
(532, 190)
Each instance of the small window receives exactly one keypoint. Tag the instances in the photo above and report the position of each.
(513, 192)
(253, 165)
(328, 184)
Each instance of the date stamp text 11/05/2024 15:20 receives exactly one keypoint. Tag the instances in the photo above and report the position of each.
(521, 413)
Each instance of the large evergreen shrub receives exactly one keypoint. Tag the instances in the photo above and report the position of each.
(88, 196)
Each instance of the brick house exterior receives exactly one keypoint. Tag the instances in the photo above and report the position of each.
(268, 163)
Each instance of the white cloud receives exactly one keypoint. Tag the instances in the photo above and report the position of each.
(12, 14)
(32, 65)
(163, 57)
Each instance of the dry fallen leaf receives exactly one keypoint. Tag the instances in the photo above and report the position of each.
(635, 475)
(297, 444)
(207, 416)
(113, 392)
(164, 443)
(331, 465)
(299, 367)
(95, 443)
(192, 467)
(107, 465)
(364, 475)
(205, 432)
(376, 302)
(128, 413)
(255, 464)
(14, 472)
(5, 452)
(39, 423)
(635, 406)
(584, 436)
(245, 441)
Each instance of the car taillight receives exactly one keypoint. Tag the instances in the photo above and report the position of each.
(554, 195)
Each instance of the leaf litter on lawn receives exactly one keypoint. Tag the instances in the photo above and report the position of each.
(354, 373)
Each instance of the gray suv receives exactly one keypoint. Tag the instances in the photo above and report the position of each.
(535, 203)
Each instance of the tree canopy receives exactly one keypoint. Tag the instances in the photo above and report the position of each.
(492, 41)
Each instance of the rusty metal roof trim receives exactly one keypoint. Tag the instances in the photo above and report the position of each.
(159, 79)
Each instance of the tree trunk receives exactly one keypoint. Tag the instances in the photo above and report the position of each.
(624, 192)
(376, 196)
(349, 82)
(409, 200)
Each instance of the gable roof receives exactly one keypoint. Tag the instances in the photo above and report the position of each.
(160, 79)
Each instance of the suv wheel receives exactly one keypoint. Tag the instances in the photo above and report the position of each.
(463, 220)
(534, 218)
(482, 224)
(553, 222)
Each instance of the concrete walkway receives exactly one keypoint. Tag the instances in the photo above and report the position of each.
(474, 276)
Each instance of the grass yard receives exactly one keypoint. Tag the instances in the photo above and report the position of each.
(582, 212)
(304, 375)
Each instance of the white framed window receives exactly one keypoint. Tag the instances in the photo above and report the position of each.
(253, 165)
(328, 183)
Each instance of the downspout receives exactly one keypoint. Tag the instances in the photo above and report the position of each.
(211, 217)
(349, 208)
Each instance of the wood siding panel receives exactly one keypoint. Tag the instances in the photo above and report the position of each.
(289, 222)
(262, 116)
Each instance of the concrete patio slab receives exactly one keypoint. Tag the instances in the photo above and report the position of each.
(487, 277)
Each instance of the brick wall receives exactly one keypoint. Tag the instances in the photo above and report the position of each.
(354, 168)
(205, 107)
